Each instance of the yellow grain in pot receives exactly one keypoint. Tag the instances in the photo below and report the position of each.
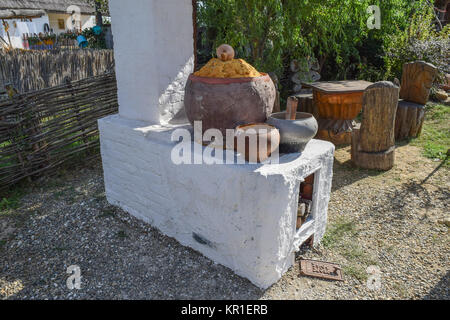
(236, 68)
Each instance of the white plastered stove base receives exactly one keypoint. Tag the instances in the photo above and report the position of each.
(242, 216)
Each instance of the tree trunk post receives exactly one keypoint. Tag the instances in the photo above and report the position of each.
(373, 146)
(306, 104)
(98, 14)
(417, 79)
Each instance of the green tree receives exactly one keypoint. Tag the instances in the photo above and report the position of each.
(270, 33)
(101, 8)
(103, 5)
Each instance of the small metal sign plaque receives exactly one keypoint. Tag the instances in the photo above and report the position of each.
(319, 269)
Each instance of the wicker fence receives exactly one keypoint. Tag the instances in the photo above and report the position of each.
(43, 129)
(35, 70)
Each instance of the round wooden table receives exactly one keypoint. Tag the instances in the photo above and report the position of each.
(338, 104)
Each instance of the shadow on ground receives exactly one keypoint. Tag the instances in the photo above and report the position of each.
(442, 289)
(120, 257)
(345, 173)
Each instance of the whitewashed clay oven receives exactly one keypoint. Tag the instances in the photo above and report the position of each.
(242, 216)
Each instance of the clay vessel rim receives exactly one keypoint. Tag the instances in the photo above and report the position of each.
(245, 127)
(211, 80)
(299, 117)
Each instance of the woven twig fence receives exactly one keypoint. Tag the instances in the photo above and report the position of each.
(43, 129)
(32, 70)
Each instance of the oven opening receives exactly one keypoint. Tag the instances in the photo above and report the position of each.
(305, 201)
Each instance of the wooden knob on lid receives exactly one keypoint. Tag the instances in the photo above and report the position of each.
(225, 52)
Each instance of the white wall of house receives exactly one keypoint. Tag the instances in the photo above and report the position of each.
(18, 27)
(87, 21)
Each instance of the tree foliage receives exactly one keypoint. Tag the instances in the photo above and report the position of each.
(418, 41)
(270, 33)
(103, 5)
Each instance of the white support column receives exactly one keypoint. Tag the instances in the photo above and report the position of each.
(154, 54)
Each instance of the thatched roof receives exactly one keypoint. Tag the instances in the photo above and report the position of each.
(21, 13)
(51, 6)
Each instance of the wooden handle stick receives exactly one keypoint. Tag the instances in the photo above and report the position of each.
(291, 108)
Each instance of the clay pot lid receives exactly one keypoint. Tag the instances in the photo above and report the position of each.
(225, 52)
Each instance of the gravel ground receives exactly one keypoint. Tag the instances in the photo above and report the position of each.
(397, 221)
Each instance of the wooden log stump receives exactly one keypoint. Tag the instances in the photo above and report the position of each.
(306, 104)
(343, 138)
(409, 120)
(338, 132)
(373, 146)
(417, 79)
(383, 160)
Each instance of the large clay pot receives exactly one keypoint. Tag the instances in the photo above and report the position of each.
(225, 103)
(295, 134)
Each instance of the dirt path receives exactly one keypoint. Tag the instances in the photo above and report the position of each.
(393, 220)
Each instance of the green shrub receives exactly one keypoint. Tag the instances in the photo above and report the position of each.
(420, 41)
(11, 201)
(94, 41)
